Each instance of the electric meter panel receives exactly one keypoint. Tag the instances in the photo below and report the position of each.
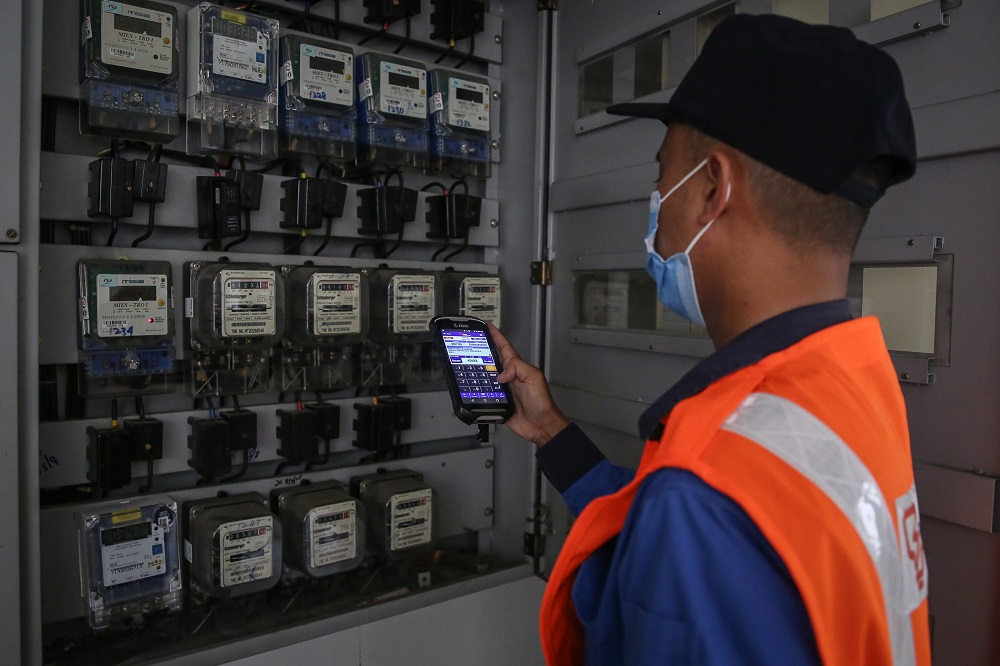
(234, 305)
(400, 508)
(459, 123)
(129, 68)
(472, 295)
(316, 100)
(232, 545)
(326, 306)
(130, 558)
(392, 111)
(403, 302)
(232, 81)
(126, 318)
(324, 528)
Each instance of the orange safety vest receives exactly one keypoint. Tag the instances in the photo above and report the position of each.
(812, 443)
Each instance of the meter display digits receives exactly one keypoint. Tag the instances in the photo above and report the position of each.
(411, 303)
(245, 551)
(480, 297)
(336, 303)
(333, 534)
(132, 305)
(248, 303)
(468, 104)
(410, 519)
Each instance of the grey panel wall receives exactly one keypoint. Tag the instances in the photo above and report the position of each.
(604, 171)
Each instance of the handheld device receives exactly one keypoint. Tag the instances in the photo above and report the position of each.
(471, 367)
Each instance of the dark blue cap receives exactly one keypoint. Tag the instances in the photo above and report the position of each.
(810, 101)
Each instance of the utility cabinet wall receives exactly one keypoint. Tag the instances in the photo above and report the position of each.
(612, 351)
(232, 433)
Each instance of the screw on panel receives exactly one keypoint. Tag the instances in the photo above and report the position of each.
(496, 94)
(911, 242)
(498, 39)
(488, 511)
(495, 144)
(11, 234)
(489, 464)
(905, 375)
(494, 224)
(916, 26)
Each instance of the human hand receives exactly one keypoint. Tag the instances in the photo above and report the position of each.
(536, 417)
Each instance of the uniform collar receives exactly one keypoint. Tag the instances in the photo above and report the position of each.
(766, 338)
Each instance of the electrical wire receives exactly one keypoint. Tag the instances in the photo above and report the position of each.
(114, 232)
(433, 184)
(326, 236)
(472, 50)
(246, 231)
(149, 226)
(465, 244)
(406, 37)
(294, 246)
(365, 40)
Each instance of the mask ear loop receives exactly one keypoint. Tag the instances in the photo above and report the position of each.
(729, 191)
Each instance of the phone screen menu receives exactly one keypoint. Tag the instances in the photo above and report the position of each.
(474, 367)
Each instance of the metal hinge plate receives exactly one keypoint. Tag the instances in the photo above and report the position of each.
(534, 544)
(541, 273)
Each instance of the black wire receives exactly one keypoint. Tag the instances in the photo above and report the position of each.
(395, 246)
(385, 26)
(397, 174)
(207, 245)
(149, 473)
(114, 409)
(406, 37)
(236, 402)
(326, 236)
(472, 50)
(246, 231)
(114, 232)
(294, 245)
(336, 17)
(465, 244)
(443, 56)
(140, 408)
(440, 249)
(244, 466)
(464, 185)
(434, 184)
(149, 226)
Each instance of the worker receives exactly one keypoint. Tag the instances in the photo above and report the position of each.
(773, 517)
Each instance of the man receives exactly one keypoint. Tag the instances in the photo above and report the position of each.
(773, 517)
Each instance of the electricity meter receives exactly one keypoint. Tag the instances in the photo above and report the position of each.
(326, 306)
(392, 111)
(459, 123)
(327, 317)
(399, 512)
(403, 302)
(472, 295)
(232, 81)
(129, 70)
(129, 558)
(317, 115)
(234, 314)
(232, 545)
(324, 528)
(126, 325)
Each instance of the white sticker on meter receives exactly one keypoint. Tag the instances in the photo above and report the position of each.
(131, 306)
(403, 91)
(137, 38)
(411, 303)
(333, 531)
(325, 75)
(243, 58)
(336, 303)
(468, 105)
(247, 303)
(245, 551)
(131, 552)
(480, 297)
(410, 519)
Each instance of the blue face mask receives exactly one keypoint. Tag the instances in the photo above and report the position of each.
(674, 276)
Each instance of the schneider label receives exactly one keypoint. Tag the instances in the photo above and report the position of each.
(245, 551)
(333, 532)
(247, 303)
(336, 303)
(410, 519)
(411, 303)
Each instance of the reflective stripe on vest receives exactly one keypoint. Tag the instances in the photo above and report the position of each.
(806, 444)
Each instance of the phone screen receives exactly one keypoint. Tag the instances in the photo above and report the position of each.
(474, 367)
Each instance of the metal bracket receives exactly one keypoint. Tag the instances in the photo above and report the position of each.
(534, 544)
(912, 369)
(534, 540)
(541, 273)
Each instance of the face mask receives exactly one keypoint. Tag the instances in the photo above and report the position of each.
(674, 276)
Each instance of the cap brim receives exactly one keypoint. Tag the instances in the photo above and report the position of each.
(659, 111)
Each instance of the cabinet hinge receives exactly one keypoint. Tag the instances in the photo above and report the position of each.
(548, 5)
(541, 273)
(539, 528)
(534, 544)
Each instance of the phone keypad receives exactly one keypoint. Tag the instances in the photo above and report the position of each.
(478, 384)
